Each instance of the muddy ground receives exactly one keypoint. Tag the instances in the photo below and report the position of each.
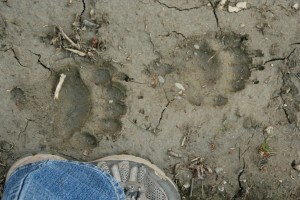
(210, 96)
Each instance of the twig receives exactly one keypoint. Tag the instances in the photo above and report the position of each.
(80, 53)
(192, 187)
(202, 190)
(77, 46)
(58, 87)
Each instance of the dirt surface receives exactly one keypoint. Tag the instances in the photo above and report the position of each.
(210, 96)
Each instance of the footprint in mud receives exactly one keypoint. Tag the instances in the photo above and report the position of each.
(212, 67)
(90, 103)
(18, 97)
(73, 106)
(84, 140)
(108, 99)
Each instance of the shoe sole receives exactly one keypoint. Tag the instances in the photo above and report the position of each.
(139, 160)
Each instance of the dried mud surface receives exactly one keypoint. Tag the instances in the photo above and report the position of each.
(169, 81)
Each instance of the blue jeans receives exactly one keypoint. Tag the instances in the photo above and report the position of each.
(61, 180)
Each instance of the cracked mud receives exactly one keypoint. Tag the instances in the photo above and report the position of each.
(170, 81)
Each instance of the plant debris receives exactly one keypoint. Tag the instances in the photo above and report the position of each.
(62, 40)
(199, 169)
(59, 85)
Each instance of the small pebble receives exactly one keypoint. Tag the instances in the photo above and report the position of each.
(221, 188)
(180, 86)
(196, 46)
(161, 79)
(242, 5)
(296, 6)
(218, 170)
(232, 9)
(242, 25)
(186, 185)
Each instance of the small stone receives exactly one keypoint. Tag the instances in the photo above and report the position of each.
(242, 5)
(110, 101)
(221, 188)
(232, 9)
(85, 153)
(186, 185)
(161, 79)
(222, 4)
(242, 25)
(269, 129)
(296, 6)
(218, 170)
(196, 46)
(180, 86)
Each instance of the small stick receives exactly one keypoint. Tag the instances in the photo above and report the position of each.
(58, 87)
(192, 187)
(3, 165)
(77, 46)
(183, 141)
(173, 154)
(80, 53)
(202, 190)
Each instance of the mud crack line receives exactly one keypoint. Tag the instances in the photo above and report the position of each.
(175, 32)
(15, 56)
(282, 58)
(248, 146)
(161, 116)
(83, 4)
(215, 13)
(24, 130)
(177, 8)
(241, 188)
(282, 99)
(40, 62)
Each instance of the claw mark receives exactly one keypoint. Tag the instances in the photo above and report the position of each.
(178, 9)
